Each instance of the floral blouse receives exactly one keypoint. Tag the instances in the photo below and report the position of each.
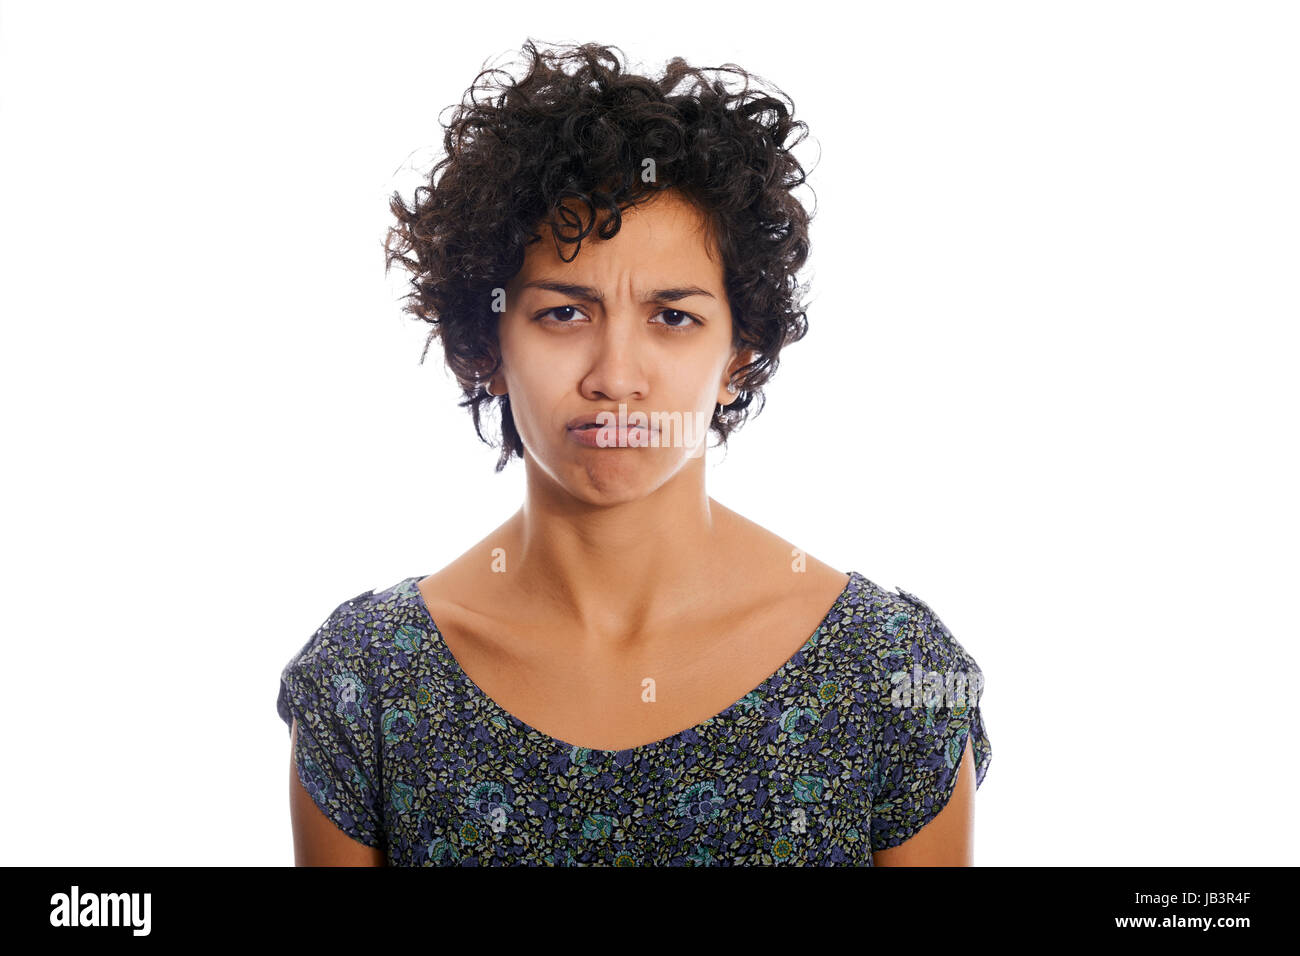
(850, 747)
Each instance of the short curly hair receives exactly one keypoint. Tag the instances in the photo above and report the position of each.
(583, 136)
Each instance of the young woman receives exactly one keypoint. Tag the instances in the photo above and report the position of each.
(625, 672)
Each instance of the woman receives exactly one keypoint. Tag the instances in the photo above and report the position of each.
(625, 672)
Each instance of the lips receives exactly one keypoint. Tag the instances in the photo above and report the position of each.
(593, 427)
(592, 420)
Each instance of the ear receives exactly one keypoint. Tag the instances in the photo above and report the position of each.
(739, 360)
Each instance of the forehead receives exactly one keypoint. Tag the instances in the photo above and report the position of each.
(662, 235)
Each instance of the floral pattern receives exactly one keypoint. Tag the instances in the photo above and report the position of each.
(850, 747)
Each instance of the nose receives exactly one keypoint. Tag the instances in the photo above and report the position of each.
(617, 369)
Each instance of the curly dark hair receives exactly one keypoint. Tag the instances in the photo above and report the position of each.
(556, 136)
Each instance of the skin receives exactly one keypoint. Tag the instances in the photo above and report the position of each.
(644, 512)
(619, 564)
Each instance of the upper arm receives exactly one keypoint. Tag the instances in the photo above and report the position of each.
(330, 702)
(317, 841)
(930, 746)
(949, 838)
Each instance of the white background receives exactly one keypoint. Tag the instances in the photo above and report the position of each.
(1049, 387)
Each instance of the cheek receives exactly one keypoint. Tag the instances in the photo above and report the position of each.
(691, 384)
(541, 390)
(543, 372)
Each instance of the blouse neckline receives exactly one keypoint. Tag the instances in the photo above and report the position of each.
(806, 652)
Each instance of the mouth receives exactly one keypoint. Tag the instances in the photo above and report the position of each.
(592, 426)
(589, 422)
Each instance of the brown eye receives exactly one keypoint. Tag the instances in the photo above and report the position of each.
(559, 308)
(686, 319)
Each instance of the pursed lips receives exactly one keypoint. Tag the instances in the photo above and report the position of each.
(629, 426)
(591, 425)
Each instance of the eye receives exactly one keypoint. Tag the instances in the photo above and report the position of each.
(683, 315)
(683, 320)
(559, 308)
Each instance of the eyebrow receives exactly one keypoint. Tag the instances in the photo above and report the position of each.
(588, 294)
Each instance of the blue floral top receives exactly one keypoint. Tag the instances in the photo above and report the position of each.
(850, 747)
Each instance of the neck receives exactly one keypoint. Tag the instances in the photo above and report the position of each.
(620, 568)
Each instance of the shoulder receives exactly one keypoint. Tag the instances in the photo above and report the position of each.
(360, 629)
(892, 632)
(930, 638)
(347, 663)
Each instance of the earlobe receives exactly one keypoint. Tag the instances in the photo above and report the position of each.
(730, 385)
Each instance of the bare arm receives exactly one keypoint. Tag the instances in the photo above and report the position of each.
(948, 839)
(316, 840)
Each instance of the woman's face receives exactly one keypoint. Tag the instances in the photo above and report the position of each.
(640, 321)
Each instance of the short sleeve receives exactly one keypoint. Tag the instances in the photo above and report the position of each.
(926, 707)
(328, 687)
